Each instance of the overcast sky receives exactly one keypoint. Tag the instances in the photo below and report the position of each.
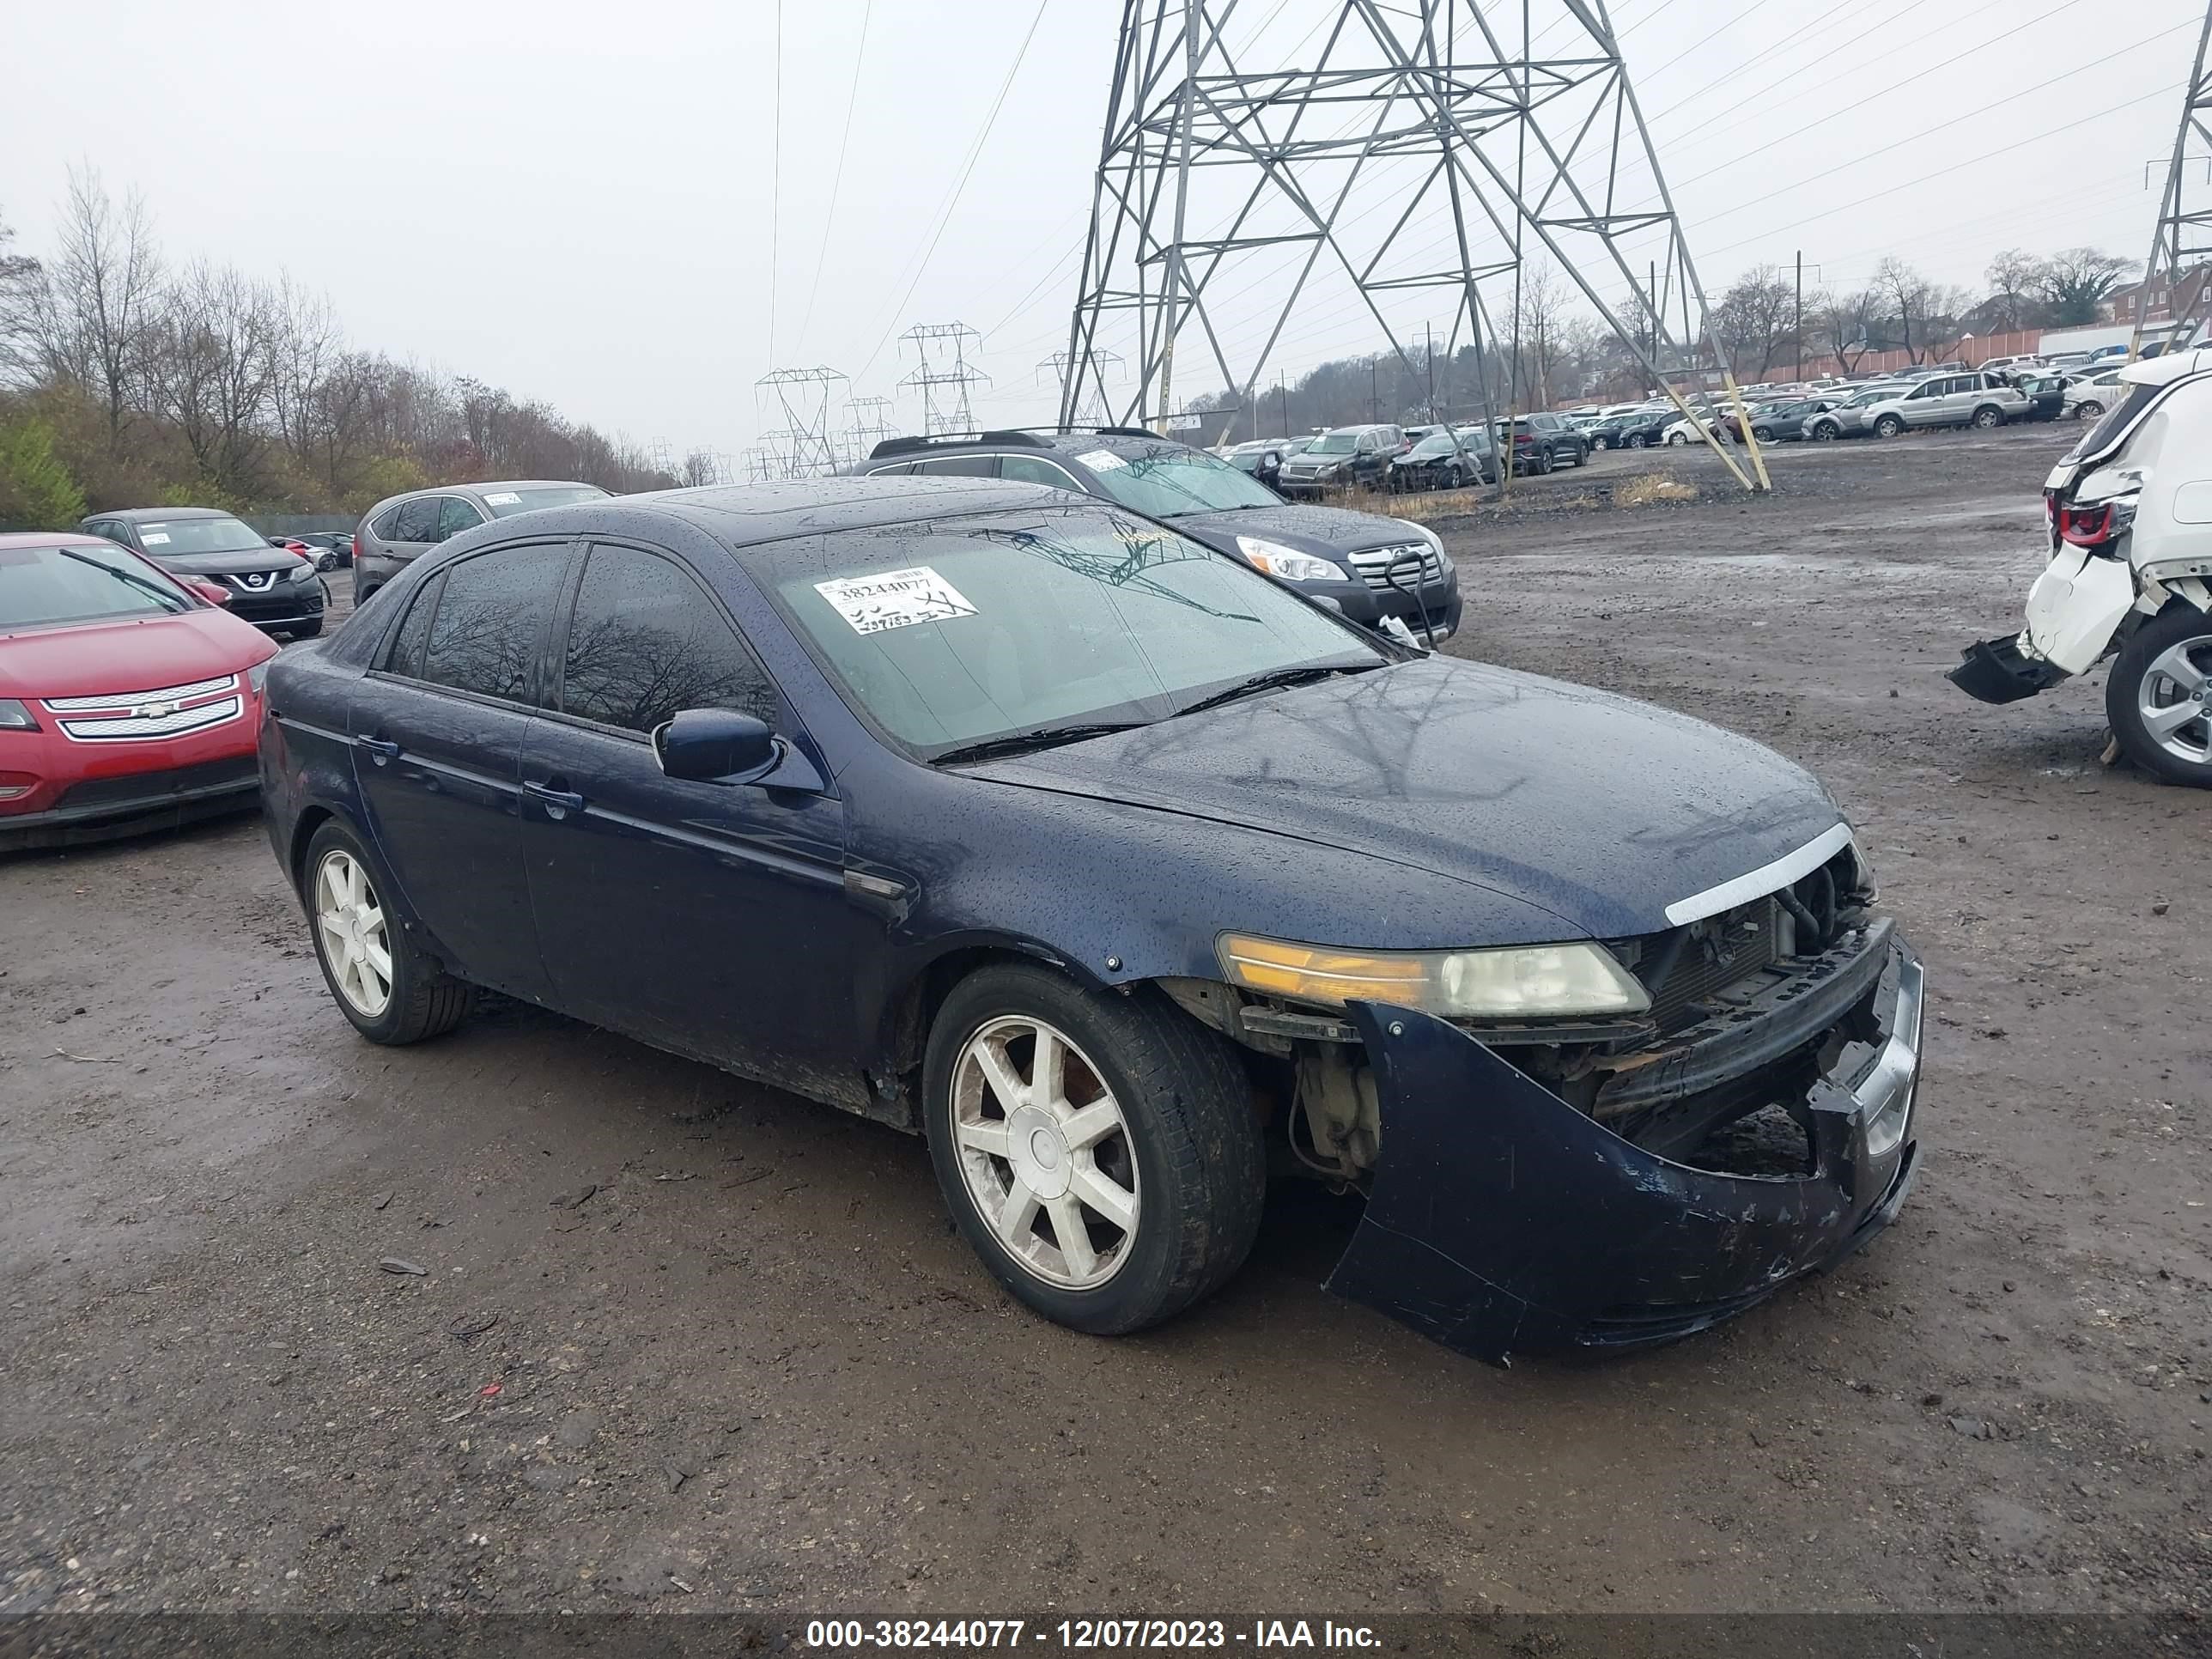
(580, 201)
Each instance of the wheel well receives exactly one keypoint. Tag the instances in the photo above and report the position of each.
(303, 832)
(916, 1008)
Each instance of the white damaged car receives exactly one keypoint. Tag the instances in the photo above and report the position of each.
(2130, 517)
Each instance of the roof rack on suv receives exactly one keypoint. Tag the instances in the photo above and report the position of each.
(911, 445)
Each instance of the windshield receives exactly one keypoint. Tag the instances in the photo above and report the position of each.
(40, 587)
(1171, 480)
(1336, 443)
(174, 537)
(506, 503)
(1445, 444)
(956, 632)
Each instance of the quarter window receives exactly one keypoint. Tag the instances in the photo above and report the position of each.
(962, 466)
(1027, 469)
(645, 643)
(407, 654)
(483, 636)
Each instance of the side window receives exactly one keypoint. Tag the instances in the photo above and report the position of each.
(484, 636)
(417, 521)
(405, 656)
(1927, 389)
(1369, 443)
(961, 466)
(645, 642)
(455, 515)
(897, 469)
(1028, 469)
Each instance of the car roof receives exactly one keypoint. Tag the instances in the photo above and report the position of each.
(1079, 441)
(488, 484)
(739, 516)
(50, 538)
(161, 514)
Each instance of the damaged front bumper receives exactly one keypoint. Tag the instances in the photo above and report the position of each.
(1503, 1220)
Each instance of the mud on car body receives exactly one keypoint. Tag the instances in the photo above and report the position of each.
(1125, 874)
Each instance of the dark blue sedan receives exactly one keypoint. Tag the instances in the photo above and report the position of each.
(1127, 875)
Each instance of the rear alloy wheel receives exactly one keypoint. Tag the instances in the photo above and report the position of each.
(1987, 417)
(1101, 1155)
(2159, 697)
(2088, 410)
(391, 991)
(1888, 427)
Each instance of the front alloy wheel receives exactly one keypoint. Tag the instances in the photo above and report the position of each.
(1888, 427)
(1100, 1153)
(2159, 697)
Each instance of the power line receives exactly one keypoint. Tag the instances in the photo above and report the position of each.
(944, 214)
(837, 182)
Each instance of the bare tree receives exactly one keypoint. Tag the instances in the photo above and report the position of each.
(2076, 282)
(1844, 321)
(20, 279)
(1540, 311)
(95, 314)
(2016, 280)
(1919, 309)
(305, 346)
(1756, 319)
(211, 370)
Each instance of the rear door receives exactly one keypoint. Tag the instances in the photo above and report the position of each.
(708, 918)
(438, 732)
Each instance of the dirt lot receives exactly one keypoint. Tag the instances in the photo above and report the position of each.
(753, 1368)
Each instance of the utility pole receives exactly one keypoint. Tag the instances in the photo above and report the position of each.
(1281, 386)
(1798, 327)
(1429, 362)
(1374, 389)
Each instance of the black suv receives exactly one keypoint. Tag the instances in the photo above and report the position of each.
(1368, 567)
(1541, 442)
(1341, 459)
(279, 591)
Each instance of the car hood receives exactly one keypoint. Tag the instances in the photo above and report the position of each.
(1323, 529)
(1600, 810)
(145, 654)
(224, 564)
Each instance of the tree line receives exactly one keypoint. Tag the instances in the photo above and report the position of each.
(128, 380)
(1546, 349)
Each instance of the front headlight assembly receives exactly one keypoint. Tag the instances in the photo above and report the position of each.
(1530, 982)
(1287, 563)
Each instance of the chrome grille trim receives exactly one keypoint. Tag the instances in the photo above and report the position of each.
(129, 699)
(252, 581)
(1373, 564)
(112, 728)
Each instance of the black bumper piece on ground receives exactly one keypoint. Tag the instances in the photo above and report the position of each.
(1994, 670)
(1503, 1221)
(105, 809)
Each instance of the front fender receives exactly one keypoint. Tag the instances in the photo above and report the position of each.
(2075, 607)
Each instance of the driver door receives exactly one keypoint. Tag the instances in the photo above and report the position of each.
(706, 917)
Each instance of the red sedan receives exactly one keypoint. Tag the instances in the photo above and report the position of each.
(129, 701)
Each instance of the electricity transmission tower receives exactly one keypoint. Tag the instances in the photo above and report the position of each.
(870, 424)
(805, 448)
(1094, 410)
(1418, 152)
(944, 375)
(2183, 239)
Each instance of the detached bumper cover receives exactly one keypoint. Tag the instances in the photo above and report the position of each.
(1503, 1220)
(1994, 670)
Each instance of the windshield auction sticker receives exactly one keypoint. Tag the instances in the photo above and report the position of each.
(895, 599)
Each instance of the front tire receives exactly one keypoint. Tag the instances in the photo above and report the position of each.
(1888, 427)
(1597, 445)
(1100, 1153)
(2158, 697)
(1764, 434)
(391, 991)
(1637, 441)
(1823, 434)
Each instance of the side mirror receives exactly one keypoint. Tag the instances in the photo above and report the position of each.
(213, 592)
(703, 745)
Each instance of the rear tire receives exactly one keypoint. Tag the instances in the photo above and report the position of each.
(1177, 1151)
(406, 999)
(2158, 678)
(2087, 409)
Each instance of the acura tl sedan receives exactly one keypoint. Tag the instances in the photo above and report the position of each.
(1127, 877)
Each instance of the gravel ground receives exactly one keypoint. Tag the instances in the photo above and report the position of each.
(680, 1342)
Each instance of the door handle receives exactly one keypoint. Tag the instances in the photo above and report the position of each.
(382, 748)
(558, 802)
